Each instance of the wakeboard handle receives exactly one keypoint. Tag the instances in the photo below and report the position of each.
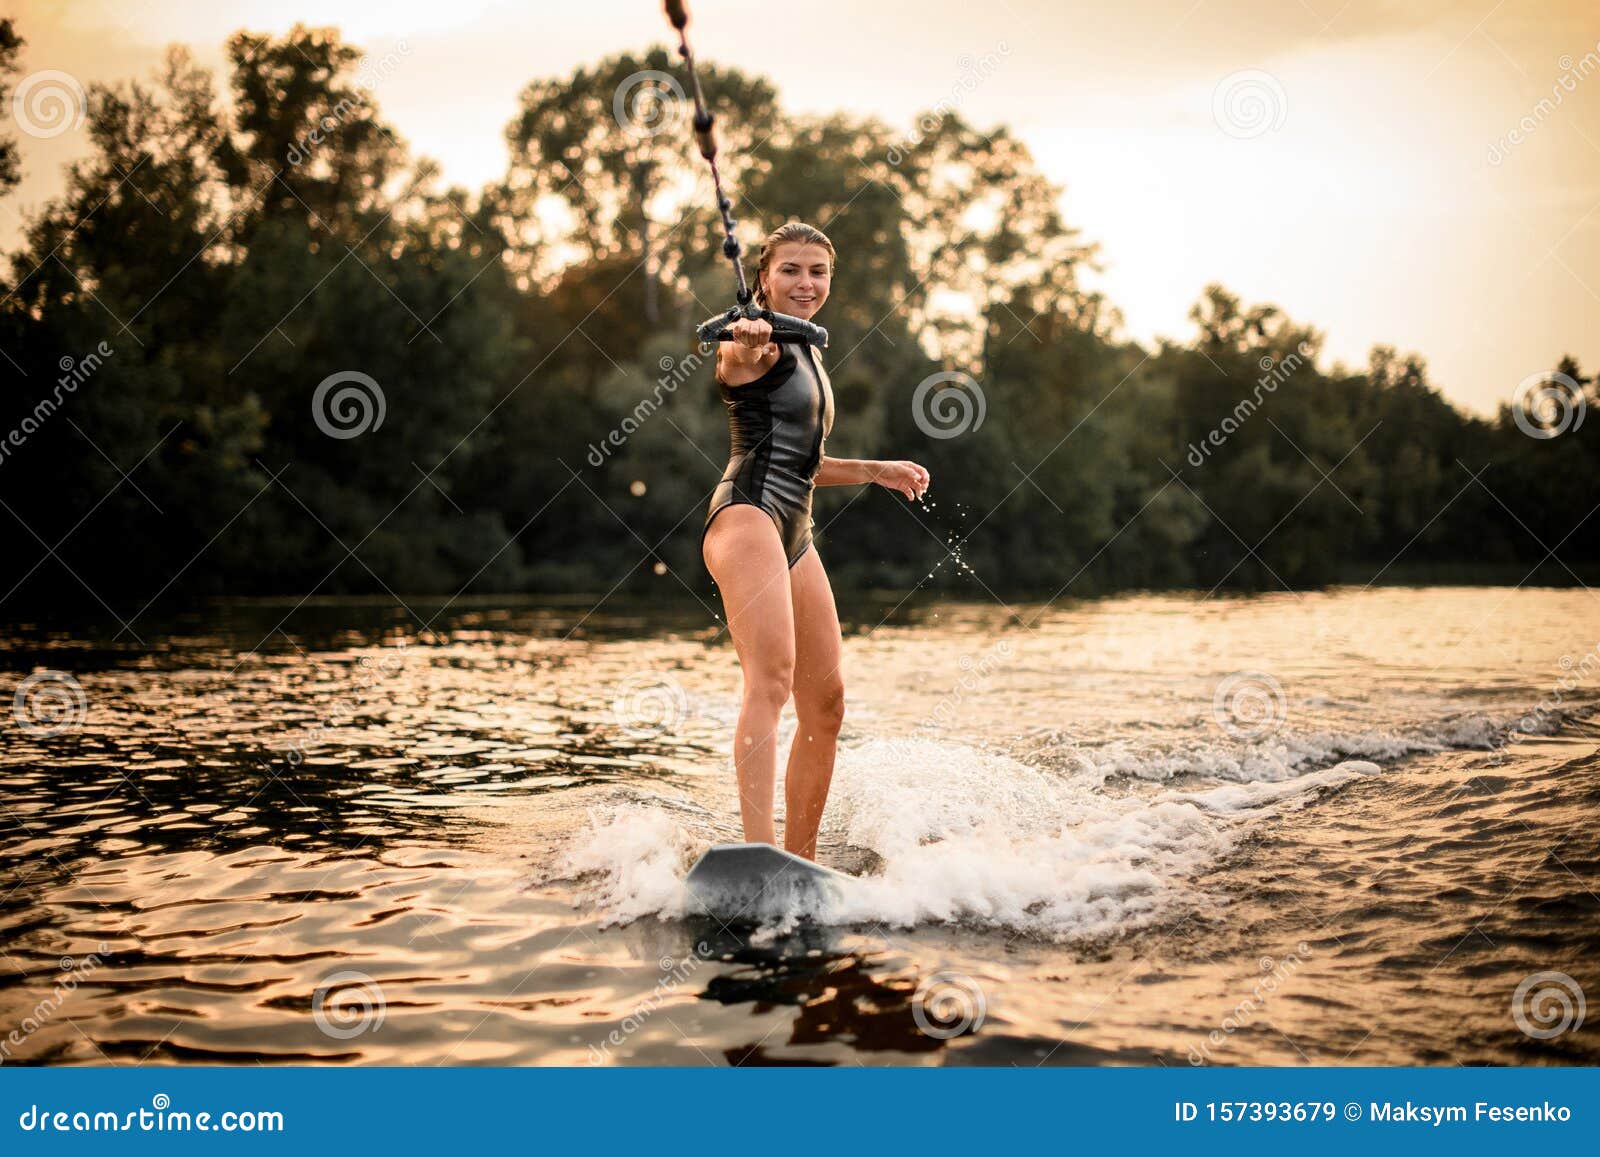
(785, 328)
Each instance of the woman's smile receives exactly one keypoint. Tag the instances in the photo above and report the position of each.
(797, 279)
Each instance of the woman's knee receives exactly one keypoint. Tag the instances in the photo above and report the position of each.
(769, 682)
(821, 706)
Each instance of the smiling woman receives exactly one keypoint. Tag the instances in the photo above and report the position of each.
(780, 604)
(779, 398)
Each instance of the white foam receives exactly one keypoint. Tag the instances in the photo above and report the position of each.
(1281, 757)
(966, 836)
(976, 837)
(1243, 798)
(631, 863)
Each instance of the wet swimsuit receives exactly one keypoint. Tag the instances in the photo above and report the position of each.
(776, 425)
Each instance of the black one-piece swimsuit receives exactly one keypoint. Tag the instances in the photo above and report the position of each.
(776, 426)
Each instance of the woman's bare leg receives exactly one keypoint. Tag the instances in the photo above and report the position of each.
(818, 702)
(744, 554)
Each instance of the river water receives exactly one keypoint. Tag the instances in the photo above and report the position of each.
(1345, 827)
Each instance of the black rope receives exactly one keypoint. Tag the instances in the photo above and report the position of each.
(784, 327)
(703, 131)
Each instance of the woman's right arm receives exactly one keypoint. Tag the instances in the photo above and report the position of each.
(750, 354)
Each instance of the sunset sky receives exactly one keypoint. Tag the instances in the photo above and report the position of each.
(1381, 198)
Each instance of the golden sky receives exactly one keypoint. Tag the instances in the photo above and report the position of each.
(1382, 169)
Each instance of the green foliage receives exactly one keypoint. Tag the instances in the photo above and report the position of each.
(11, 46)
(548, 423)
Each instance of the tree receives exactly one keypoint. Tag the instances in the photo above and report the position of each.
(606, 152)
(11, 46)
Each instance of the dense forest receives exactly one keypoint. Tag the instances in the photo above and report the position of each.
(257, 347)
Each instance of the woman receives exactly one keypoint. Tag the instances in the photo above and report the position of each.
(757, 541)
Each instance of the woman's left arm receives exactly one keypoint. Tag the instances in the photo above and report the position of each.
(907, 477)
(846, 472)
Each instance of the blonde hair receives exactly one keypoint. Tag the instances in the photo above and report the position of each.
(789, 232)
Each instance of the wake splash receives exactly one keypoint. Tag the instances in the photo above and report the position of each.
(1282, 758)
(963, 836)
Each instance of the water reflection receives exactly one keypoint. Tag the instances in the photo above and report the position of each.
(466, 806)
(862, 998)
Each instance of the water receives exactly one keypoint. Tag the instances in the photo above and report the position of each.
(1140, 830)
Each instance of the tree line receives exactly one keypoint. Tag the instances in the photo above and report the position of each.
(260, 348)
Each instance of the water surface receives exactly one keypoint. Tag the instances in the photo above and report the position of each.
(1342, 827)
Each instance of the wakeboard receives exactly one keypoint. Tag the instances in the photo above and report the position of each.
(755, 882)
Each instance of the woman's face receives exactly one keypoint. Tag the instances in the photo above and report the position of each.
(797, 279)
